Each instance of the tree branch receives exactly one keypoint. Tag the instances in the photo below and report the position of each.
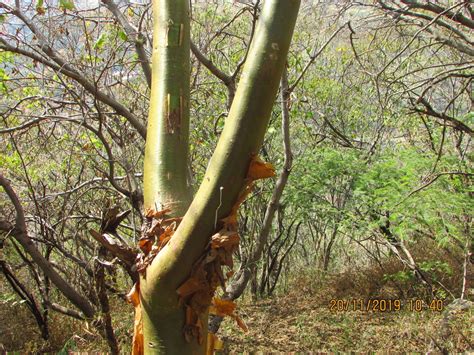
(21, 235)
(452, 122)
(432, 7)
(136, 36)
(61, 66)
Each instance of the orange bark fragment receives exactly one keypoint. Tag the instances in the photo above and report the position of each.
(225, 239)
(197, 282)
(197, 291)
(190, 286)
(171, 220)
(156, 229)
(133, 296)
(166, 235)
(193, 328)
(138, 341)
(145, 245)
(222, 307)
(213, 344)
(230, 222)
(259, 169)
(200, 301)
(151, 213)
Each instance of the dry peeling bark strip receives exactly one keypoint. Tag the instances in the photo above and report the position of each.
(197, 293)
(156, 233)
(133, 297)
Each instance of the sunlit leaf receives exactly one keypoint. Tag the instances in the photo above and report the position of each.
(99, 44)
(122, 35)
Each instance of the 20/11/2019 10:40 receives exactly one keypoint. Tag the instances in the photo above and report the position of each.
(384, 305)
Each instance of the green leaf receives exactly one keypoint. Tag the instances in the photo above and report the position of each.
(66, 4)
(123, 36)
(100, 41)
(39, 7)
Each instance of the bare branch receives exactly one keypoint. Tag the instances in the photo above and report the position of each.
(432, 7)
(58, 64)
(450, 121)
(21, 235)
(136, 36)
(316, 53)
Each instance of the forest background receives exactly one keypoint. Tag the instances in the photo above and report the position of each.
(370, 136)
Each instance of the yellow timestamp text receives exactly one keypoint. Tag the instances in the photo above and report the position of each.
(385, 305)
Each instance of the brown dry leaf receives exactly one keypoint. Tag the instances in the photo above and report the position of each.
(151, 213)
(259, 169)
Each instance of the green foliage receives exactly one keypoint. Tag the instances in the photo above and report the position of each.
(436, 266)
(3, 78)
(362, 160)
(66, 4)
(99, 44)
(69, 346)
(400, 276)
(39, 7)
(123, 36)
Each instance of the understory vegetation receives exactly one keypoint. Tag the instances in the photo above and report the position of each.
(371, 141)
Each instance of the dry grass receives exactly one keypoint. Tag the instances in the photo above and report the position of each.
(299, 319)
(298, 322)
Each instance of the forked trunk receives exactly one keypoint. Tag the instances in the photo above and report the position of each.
(166, 157)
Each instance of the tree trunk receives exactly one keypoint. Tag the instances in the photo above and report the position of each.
(163, 316)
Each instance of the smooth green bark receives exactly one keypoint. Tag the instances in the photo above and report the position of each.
(242, 137)
(166, 182)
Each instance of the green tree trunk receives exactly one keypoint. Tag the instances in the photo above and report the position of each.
(242, 137)
(166, 168)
